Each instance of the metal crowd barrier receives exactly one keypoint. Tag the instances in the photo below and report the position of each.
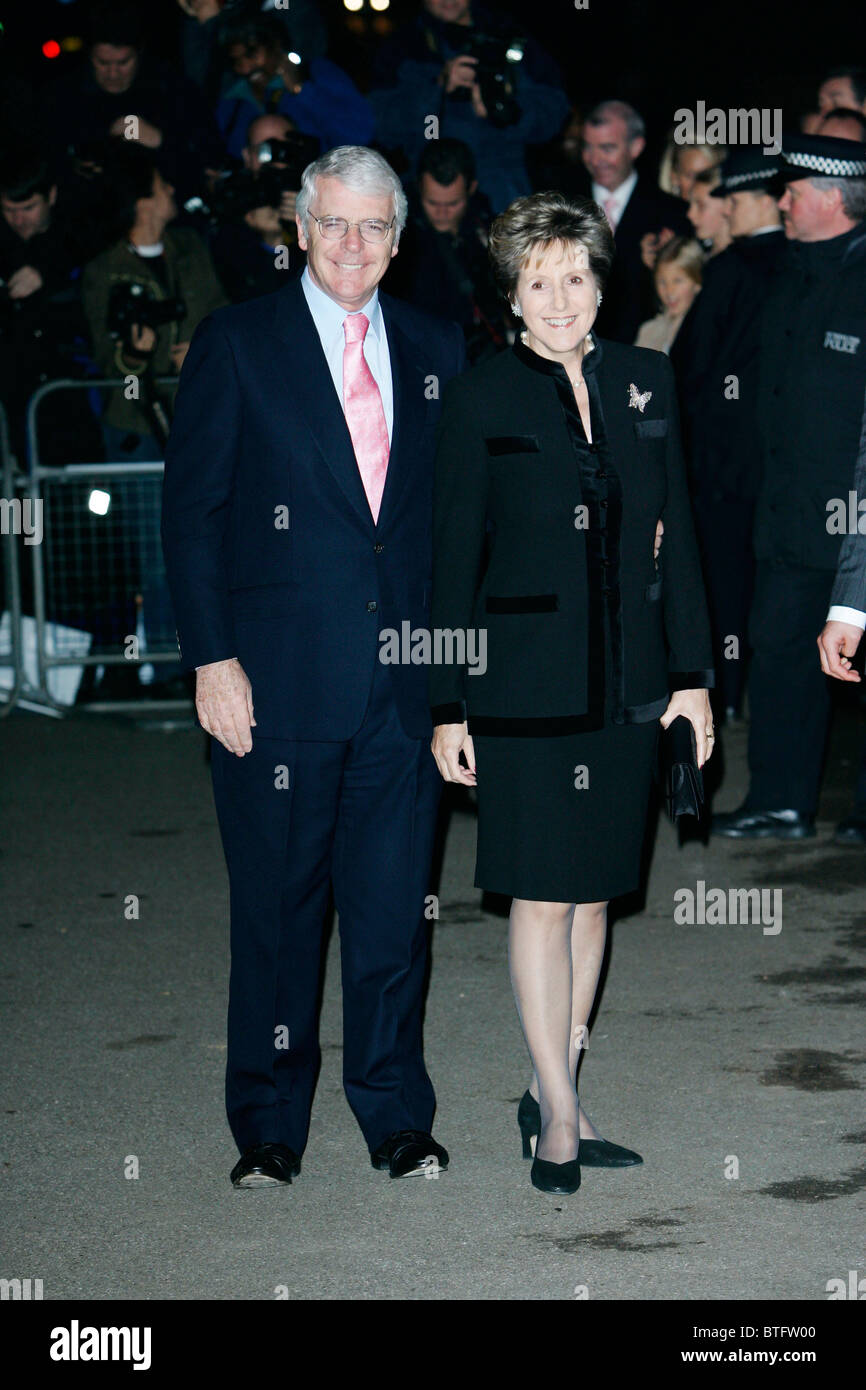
(11, 656)
(102, 616)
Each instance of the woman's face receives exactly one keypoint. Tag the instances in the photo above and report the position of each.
(558, 297)
(687, 165)
(675, 288)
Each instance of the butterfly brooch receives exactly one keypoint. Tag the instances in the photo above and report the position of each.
(638, 400)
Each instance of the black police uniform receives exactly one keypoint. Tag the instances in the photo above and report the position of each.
(810, 407)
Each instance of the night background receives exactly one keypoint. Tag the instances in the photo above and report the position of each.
(656, 55)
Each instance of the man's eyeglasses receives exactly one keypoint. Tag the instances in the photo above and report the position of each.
(371, 229)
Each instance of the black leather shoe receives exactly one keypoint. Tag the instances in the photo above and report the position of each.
(746, 824)
(556, 1177)
(266, 1165)
(599, 1153)
(851, 830)
(409, 1152)
(594, 1153)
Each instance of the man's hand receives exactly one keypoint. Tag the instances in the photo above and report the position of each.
(650, 245)
(224, 704)
(25, 280)
(695, 705)
(137, 351)
(149, 135)
(459, 72)
(657, 543)
(286, 210)
(449, 740)
(837, 644)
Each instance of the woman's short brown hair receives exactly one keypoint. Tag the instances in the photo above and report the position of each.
(540, 220)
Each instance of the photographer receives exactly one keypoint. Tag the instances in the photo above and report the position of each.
(487, 86)
(316, 95)
(119, 89)
(304, 28)
(443, 266)
(167, 271)
(274, 147)
(41, 323)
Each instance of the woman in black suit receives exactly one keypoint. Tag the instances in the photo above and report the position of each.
(555, 461)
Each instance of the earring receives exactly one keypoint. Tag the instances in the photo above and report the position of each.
(598, 300)
(516, 310)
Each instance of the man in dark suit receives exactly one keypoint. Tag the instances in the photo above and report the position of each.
(296, 528)
(613, 140)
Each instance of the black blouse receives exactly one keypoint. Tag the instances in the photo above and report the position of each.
(602, 496)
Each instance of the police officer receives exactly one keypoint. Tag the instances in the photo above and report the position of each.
(812, 376)
(721, 405)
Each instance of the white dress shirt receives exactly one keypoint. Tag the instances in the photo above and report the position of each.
(618, 197)
(328, 317)
(840, 614)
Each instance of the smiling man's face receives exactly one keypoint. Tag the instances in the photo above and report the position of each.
(350, 269)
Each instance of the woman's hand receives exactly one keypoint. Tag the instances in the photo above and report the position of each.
(695, 705)
(449, 741)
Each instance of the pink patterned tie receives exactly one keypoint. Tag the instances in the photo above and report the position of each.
(365, 414)
(609, 206)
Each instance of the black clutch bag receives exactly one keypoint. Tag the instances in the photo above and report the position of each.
(681, 778)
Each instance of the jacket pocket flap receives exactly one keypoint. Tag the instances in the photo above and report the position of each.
(512, 444)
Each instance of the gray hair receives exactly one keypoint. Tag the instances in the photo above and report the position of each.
(361, 170)
(540, 220)
(853, 195)
(618, 110)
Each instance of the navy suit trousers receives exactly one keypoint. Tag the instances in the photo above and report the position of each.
(297, 817)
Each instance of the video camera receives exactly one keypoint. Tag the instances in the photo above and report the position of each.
(130, 303)
(238, 191)
(288, 158)
(497, 60)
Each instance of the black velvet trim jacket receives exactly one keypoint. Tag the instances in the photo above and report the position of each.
(535, 530)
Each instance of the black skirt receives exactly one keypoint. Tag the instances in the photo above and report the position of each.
(562, 819)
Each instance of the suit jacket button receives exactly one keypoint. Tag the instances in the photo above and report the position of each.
(372, 606)
(378, 548)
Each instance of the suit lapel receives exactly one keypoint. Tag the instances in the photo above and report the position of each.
(627, 225)
(409, 415)
(315, 395)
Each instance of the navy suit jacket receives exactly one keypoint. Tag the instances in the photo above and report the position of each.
(271, 550)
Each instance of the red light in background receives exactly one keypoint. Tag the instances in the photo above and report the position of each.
(51, 49)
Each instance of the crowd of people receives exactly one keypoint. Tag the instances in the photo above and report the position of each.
(137, 196)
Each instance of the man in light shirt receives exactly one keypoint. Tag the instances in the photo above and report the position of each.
(613, 140)
(297, 533)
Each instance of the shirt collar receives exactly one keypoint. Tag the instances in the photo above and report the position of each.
(328, 315)
(548, 367)
(619, 195)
